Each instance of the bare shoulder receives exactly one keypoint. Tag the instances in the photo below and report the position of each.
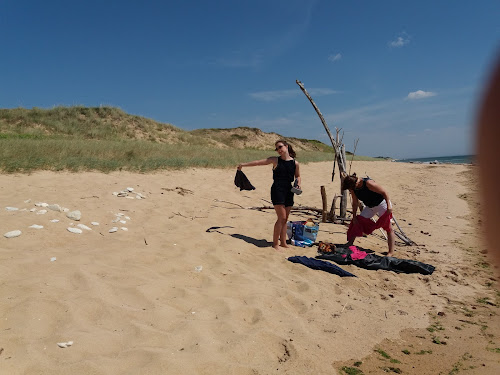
(372, 185)
(272, 160)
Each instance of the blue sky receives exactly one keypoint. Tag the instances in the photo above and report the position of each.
(403, 77)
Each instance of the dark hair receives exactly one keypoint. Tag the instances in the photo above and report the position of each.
(291, 152)
(349, 182)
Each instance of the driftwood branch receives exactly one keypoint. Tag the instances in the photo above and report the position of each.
(343, 202)
(337, 146)
(402, 235)
(294, 208)
(323, 198)
(353, 153)
(334, 144)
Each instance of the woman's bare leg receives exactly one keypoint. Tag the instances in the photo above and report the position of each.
(390, 242)
(283, 229)
(278, 226)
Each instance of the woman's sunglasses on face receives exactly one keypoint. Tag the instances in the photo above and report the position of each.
(279, 147)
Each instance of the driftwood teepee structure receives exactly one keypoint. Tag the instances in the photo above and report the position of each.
(340, 159)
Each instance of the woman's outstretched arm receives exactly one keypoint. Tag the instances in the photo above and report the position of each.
(269, 160)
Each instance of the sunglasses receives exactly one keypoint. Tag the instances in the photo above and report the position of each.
(279, 147)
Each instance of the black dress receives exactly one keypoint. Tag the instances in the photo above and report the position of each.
(283, 176)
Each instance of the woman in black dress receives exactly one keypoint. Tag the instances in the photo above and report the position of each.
(285, 171)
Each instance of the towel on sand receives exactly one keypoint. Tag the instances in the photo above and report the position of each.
(376, 262)
(320, 265)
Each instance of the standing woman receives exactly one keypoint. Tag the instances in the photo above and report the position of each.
(285, 170)
(376, 200)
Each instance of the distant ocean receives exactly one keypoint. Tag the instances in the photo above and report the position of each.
(460, 159)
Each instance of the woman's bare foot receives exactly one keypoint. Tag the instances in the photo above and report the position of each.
(285, 245)
(277, 248)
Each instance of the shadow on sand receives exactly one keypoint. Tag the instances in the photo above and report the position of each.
(253, 241)
(250, 240)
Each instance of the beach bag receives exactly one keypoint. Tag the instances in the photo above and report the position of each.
(301, 234)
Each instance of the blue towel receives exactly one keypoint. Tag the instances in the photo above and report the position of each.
(320, 265)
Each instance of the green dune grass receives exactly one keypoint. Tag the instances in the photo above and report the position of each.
(107, 139)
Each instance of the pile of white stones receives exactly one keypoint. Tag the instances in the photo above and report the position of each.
(129, 193)
(42, 208)
(122, 219)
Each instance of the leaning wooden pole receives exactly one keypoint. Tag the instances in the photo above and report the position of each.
(334, 143)
(325, 204)
(336, 146)
(343, 202)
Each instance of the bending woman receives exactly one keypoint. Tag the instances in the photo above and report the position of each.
(285, 170)
(376, 201)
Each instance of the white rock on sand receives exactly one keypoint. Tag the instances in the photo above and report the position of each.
(83, 226)
(11, 208)
(12, 234)
(74, 215)
(75, 230)
(65, 344)
(36, 226)
(54, 207)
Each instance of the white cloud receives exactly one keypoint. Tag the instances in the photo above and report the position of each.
(336, 57)
(269, 96)
(400, 41)
(322, 92)
(419, 94)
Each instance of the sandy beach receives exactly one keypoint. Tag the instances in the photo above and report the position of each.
(162, 295)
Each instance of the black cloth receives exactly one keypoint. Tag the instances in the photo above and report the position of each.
(320, 265)
(241, 181)
(377, 262)
(283, 176)
(368, 197)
